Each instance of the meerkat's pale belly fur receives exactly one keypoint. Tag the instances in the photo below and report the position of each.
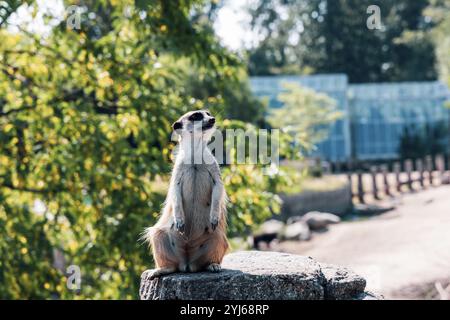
(196, 189)
(199, 246)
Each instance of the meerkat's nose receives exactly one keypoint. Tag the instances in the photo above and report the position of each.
(212, 120)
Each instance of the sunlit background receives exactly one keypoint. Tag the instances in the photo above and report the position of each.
(89, 90)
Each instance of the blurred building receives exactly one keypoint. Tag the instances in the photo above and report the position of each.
(377, 116)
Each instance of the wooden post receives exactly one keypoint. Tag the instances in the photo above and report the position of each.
(360, 187)
(448, 162)
(373, 174)
(350, 166)
(327, 167)
(350, 178)
(385, 171)
(408, 169)
(419, 165)
(350, 182)
(440, 165)
(397, 176)
(338, 167)
(429, 165)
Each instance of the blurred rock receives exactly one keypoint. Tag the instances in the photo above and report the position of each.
(270, 227)
(294, 219)
(362, 209)
(297, 231)
(320, 220)
(267, 232)
(256, 275)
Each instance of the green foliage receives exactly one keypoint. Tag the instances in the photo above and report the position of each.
(227, 99)
(251, 201)
(306, 115)
(85, 121)
(303, 180)
(332, 37)
(251, 187)
(7, 8)
(278, 26)
(439, 11)
(420, 142)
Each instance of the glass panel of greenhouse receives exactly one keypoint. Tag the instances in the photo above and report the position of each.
(382, 114)
(337, 146)
(376, 116)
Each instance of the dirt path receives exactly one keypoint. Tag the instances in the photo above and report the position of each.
(409, 246)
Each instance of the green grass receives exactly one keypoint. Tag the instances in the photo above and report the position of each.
(300, 181)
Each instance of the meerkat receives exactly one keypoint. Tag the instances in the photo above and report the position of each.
(190, 235)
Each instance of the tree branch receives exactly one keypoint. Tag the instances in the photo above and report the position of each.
(26, 189)
(4, 114)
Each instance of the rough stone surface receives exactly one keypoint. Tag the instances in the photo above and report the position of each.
(368, 296)
(297, 231)
(257, 275)
(342, 283)
(319, 220)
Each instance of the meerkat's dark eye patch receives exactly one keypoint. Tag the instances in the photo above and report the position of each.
(209, 114)
(177, 125)
(196, 116)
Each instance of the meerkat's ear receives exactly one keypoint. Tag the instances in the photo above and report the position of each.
(177, 125)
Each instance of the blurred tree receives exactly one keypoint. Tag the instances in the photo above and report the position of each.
(420, 142)
(229, 99)
(332, 36)
(412, 144)
(306, 115)
(285, 30)
(439, 12)
(7, 8)
(85, 121)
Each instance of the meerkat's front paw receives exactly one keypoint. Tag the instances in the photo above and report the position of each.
(154, 274)
(179, 225)
(214, 222)
(160, 272)
(214, 267)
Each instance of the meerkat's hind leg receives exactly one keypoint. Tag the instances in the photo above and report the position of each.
(214, 267)
(184, 267)
(209, 255)
(158, 272)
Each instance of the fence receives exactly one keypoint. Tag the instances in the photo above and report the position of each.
(394, 177)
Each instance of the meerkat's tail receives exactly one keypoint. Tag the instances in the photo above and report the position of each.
(146, 235)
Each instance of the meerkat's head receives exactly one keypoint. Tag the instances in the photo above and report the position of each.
(195, 124)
